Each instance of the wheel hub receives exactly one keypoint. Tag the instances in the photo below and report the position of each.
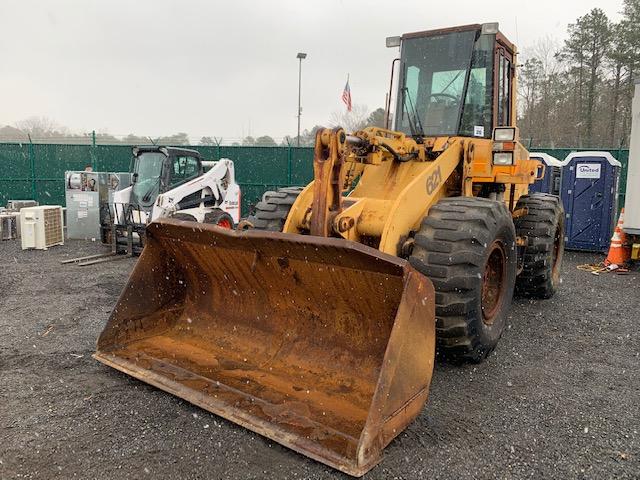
(493, 282)
(224, 223)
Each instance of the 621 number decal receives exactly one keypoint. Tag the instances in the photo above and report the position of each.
(433, 181)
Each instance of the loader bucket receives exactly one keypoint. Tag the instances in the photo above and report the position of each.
(323, 345)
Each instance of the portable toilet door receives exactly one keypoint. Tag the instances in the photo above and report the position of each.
(590, 197)
(550, 183)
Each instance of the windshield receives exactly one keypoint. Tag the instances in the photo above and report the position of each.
(148, 167)
(434, 77)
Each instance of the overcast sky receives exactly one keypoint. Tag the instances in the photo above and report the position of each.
(157, 67)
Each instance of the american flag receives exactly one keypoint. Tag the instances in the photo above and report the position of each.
(346, 96)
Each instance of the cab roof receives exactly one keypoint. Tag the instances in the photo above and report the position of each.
(462, 28)
(165, 150)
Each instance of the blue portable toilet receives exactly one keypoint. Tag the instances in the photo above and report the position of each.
(590, 197)
(550, 183)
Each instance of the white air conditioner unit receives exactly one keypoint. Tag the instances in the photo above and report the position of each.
(41, 227)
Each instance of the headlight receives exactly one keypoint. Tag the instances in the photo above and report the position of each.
(503, 158)
(504, 134)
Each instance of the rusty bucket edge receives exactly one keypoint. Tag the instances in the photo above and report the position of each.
(231, 414)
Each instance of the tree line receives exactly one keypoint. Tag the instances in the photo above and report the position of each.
(579, 94)
(46, 130)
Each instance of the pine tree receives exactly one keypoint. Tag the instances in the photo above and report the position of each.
(585, 50)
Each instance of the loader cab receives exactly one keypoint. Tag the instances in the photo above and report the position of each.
(159, 169)
(455, 82)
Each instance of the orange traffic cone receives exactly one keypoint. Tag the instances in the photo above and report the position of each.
(619, 251)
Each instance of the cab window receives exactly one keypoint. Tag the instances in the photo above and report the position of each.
(184, 168)
(477, 115)
(504, 91)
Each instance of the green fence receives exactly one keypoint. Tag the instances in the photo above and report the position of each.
(36, 171)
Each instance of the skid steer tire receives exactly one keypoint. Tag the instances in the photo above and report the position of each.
(543, 226)
(272, 212)
(184, 216)
(466, 247)
(220, 218)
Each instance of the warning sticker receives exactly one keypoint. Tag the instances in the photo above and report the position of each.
(478, 131)
(588, 170)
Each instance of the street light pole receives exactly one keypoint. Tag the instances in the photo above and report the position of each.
(300, 56)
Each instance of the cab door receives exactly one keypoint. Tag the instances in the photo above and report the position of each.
(503, 74)
(182, 168)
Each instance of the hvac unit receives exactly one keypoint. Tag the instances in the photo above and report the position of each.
(41, 227)
(17, 205)
(9, 226)
(89, 196)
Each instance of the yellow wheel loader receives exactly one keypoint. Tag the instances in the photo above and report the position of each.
(318, 327)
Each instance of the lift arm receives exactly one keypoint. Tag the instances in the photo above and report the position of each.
(213, 185)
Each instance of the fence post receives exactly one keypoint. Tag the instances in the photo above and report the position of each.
(217, 142)
(620, 151)
(289, 163)
(92, 152)
(32, 163)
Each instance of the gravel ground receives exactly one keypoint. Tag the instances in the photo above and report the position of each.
(559, 398)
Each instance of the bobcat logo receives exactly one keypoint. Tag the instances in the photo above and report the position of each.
(434, 181)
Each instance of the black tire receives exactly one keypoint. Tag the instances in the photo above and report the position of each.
(220, 218)
(184, 216)
(543, 226)
(272, 212)
(460, 242)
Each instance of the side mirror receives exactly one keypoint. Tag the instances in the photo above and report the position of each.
(393, 42)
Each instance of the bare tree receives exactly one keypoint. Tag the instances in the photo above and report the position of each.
(545, 50)
(351, 121)
(42, 127)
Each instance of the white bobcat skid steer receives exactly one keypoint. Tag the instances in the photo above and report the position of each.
(172, 182)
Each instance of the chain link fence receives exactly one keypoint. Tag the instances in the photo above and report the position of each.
(36, 170)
